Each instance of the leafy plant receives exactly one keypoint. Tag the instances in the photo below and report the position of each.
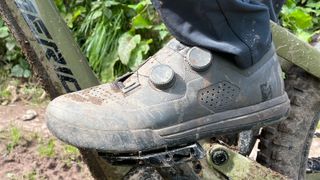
(302, 17)
(115, 35)
(12, 62)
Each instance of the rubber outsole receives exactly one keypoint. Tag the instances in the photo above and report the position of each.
(232, 121)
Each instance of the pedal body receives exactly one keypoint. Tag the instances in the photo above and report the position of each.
(166, 158)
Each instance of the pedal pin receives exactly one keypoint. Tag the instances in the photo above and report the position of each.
(219, 157)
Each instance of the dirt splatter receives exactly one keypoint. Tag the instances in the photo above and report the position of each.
(79, 98)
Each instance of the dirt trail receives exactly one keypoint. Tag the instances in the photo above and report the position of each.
(13, 115)
(37, 154)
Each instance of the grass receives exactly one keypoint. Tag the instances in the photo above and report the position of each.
(5, 94)
(11, 176)
(71, 150)
(40, 148)
(71, 155)
(47, 149)
(15, 137)
(31, 175)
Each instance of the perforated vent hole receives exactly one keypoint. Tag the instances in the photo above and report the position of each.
(219, 95)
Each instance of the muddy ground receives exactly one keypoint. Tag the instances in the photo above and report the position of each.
(29, 151)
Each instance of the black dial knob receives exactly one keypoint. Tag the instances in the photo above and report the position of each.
(162, 76)
(199, 59)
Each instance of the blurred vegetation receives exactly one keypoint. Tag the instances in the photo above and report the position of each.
(117, 35)
(302, 17)
(12, 62)
(15, 137)
(14, 89)
(47, 149)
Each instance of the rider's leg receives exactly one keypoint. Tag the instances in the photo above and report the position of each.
(237, 27)
(183, 93)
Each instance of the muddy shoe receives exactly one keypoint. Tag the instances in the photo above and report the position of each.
(180, 95)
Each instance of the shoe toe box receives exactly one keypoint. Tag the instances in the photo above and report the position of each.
(93, 126)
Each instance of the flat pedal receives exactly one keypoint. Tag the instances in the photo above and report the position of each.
(313, 165)
(165, 158)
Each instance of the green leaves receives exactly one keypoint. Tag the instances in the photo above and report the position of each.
(4, 32)
(20, 72)
(140, 22)
(302, 17)
(127, 43)
(138, 55)
(297, 18)
(117, 35)
(132, 50)
(101, 29)
(12, 62)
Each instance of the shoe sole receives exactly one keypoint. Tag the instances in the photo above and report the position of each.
(232, 121)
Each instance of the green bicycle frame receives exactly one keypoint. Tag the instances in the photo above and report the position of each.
(68, 69)
(52, 40)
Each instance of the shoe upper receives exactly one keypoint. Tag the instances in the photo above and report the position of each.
(176, 85)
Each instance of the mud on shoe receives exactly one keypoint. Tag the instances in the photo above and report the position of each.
(180, 95)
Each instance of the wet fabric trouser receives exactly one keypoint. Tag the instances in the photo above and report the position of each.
(239, 29)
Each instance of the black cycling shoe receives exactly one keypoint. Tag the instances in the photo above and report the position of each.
(177, 97)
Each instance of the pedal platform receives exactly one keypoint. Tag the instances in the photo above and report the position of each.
(313, 165)
(165, 158)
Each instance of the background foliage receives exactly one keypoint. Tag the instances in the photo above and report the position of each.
(12, 62)
(117, 35)
(302, 17)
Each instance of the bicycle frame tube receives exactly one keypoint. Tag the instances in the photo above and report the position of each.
(296, 51)
(53, 41)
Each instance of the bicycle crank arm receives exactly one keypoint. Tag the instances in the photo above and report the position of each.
(233, 165)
